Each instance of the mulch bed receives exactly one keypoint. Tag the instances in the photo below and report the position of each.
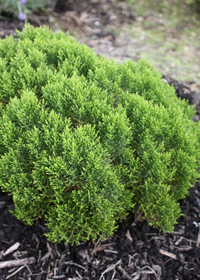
(136, 251)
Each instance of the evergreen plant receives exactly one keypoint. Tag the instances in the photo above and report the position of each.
(84, 140)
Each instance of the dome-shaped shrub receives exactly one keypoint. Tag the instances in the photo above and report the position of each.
(83, 140)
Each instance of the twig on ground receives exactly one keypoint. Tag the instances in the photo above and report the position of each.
(113, 274)
(109, 269)
(18, 262)
(150, 271)
(79, 274)
(136, 275)
(46, 256)
(170, 255)
(198, 237)
(11, 249)
(15, 272)
(110, 251)
(58, 277)
(183, 248)
(124, 273)
(15, 255)
(72, 263)
(48, 270)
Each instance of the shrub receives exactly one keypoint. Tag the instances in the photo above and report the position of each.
(84, 140)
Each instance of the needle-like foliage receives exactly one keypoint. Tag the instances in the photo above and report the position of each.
(84, 140)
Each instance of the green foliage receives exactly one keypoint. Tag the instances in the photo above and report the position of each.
(83, 140)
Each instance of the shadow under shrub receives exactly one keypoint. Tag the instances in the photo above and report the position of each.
(83, 140)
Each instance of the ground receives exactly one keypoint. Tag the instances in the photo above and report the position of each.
(135, 251)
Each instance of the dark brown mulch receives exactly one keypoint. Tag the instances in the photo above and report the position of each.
(184, 91)
(135, 251)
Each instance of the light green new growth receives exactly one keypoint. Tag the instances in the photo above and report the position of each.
(83, 139)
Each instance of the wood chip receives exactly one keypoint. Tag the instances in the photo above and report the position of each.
(183, 248)
(179, 240)
(128, 236)
(124, 273)
(113, 274)
(109, 269)
(59, 277)
(46, 256)
(15, 272)
(198, 239)
(17, 262)
(158, 269)
(102, 247)
(150, 271)
(72, 263)
(139, 243)
(170, 255)
(110, 251)
(79, 274)
(11, 249)
(136, 275)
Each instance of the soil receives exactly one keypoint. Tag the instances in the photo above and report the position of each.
(136, 250)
